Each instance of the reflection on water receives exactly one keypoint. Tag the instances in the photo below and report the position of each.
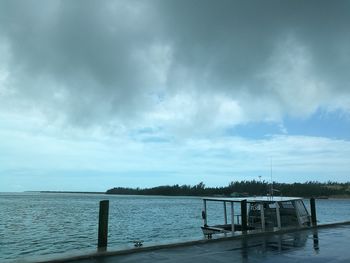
(292, 247)
(315, 240)
(277, 244)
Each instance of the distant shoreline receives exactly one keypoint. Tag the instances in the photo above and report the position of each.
(338, 197)
(104, 193)
(244, 189)
(329, 190)
(64, 192)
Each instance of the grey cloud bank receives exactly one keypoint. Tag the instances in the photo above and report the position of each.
(156, 63)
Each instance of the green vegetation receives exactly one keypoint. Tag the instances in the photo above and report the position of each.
(244, 188)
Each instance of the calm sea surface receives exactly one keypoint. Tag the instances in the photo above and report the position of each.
(35, 225)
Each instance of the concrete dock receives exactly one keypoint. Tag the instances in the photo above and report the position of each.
(329, 243)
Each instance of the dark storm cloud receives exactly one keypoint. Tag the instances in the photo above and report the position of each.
(234, 40)
(83, 51)
(97, 61)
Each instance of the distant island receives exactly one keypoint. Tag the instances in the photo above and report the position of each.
(244, 188)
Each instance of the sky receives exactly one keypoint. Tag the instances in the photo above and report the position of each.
(96, 94)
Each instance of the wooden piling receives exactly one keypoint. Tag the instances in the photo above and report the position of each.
(103, 224)
(244, 214)
(204, 213)
(313, 211)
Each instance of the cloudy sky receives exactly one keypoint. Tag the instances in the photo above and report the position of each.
(98, 94)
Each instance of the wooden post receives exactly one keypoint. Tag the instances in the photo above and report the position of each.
(205, 212)
(244, 214)
(103, 224)
(313, 211)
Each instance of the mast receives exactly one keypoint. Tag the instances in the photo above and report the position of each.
(271, 190)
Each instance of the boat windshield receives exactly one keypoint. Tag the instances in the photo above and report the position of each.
(287, 205)
(301, 208)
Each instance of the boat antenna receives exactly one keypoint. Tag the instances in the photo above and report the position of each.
(271, 193)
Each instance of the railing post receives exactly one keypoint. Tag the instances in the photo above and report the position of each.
(313, 211)
(262, 215)
(103, 224)
(278, 215)
(225, 213)
(232, 218)
(244, 214)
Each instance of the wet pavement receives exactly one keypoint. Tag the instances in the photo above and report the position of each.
(326, 244)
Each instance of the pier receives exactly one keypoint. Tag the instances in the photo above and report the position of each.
(323, 243)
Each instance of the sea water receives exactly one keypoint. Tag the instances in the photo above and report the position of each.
(34, 225)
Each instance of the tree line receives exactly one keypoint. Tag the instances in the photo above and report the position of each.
(243, 188)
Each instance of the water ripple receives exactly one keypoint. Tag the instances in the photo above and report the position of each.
(45, 224)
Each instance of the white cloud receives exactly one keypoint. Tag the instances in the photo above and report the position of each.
(44, 151)
(195, 113)
(296, 87)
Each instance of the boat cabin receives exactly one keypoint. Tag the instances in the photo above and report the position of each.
(256, 213)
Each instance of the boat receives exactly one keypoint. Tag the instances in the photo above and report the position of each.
(263, 213)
